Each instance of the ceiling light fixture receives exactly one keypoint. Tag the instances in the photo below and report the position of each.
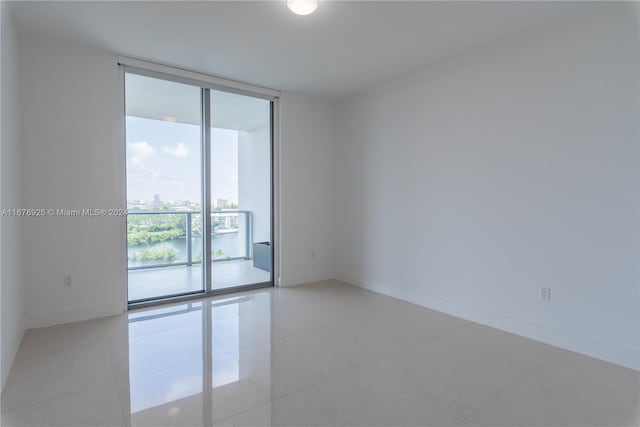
(302, 7)
(170, 119)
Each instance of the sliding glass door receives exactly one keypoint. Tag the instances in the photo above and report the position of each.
(198, 189)
(164, 188)
(240, 189)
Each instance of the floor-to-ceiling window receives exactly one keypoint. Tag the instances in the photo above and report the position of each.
(199, 189)
(240, 189)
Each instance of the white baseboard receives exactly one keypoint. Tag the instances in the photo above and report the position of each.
(69, 315)
(9, 353)
(616, 354)
(321, 276)
(353, 280)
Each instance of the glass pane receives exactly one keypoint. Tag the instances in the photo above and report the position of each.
(164, 233)
(166, 364)
(240, 190)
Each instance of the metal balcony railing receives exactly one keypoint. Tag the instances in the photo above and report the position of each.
(224, 221)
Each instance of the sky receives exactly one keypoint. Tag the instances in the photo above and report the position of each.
(164, 158)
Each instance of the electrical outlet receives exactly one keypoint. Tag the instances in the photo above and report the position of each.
(67, 281)
(545, 294)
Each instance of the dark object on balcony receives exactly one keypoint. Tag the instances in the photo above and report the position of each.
(262, 255)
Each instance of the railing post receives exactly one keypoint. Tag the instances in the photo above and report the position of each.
(189, 250)
(249, 224)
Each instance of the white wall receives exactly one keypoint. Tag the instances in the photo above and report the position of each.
(468, 186)
(306, 180)
(73, 157)
(12, 291)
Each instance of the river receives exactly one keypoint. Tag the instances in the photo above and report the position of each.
(231, 244)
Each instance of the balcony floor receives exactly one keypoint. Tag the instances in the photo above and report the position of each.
(162, 281)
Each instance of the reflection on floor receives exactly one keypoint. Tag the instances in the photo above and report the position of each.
(161, 281)
(317, 355)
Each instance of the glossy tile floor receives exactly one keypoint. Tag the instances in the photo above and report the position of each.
(316, 355)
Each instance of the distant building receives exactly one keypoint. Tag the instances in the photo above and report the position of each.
(156, 198)
(227, 221)
(222, 203)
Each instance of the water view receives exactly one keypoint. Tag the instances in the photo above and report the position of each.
(226, 245)
(162, 237)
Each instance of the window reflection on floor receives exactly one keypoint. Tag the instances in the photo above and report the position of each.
(225, 329)
(165, 355)
(177, 352)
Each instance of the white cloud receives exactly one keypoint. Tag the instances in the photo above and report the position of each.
(139, 151)
(141, 173)
(180, 150)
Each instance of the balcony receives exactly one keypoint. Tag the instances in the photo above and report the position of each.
(165, 252)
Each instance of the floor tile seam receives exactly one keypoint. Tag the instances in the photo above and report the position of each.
(66, 325)
(345, 372)
(585, 417)
(390, 404)
(412, 345)
(254, 383)
(365, 315)
(162, 370)
(222, 421)
(314, 384)
(66, 395)
(440, 402)
(316, 328)
(163, 331)
(253, 315)
(228, 349)
(48, 355)
(112, 356)
(512, 386)
(119, 393)
(555, 353)
(249, 408)
(449, 332)
(313, 329)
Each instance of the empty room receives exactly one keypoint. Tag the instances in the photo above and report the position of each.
(320, 213)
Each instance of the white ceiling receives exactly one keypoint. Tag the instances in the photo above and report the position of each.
(342, 48)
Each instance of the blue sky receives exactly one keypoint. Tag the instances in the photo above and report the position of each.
(164, 158)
